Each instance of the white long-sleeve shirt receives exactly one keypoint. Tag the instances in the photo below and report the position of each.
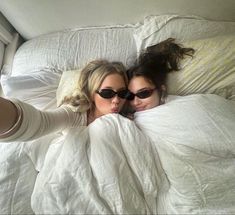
(37, 123)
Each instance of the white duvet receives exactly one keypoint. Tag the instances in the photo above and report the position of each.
(195, 139)
(180, 158)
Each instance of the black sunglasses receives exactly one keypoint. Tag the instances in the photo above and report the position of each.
(109, 93)
(142, 94)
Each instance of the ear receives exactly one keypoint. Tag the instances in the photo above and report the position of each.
(163, 94)
(163, 88)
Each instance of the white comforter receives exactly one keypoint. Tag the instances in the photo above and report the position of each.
(195, 140)
(183, 161)
(108, 167)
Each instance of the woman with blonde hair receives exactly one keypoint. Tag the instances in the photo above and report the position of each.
(101, 89)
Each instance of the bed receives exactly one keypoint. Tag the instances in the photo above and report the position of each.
(183, 163)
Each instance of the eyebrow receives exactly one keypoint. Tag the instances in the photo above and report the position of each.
(145, 88)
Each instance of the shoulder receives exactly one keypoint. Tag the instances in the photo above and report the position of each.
(76, 117)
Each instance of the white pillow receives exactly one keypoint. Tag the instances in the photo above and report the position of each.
(38, 89)
(67, 85)
(211, 70)
(71, 49)
(184, 28)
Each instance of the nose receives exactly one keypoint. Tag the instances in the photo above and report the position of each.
(116, 99)
(135, 101)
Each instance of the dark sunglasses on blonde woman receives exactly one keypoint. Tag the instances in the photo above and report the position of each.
(141, 94)
(109, 93)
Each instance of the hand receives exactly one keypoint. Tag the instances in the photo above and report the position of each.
(9, 116)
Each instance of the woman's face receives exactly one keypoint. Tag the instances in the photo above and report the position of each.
(139, 84)
(104, 106)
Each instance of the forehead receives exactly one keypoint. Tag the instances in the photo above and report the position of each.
(139, 82)
(113, 81)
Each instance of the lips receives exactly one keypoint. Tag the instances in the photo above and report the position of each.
(140, 108)
(114, 110)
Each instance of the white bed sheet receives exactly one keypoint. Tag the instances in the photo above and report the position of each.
(17, 178)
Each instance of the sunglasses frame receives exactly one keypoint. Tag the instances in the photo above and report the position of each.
(113, 93)
(132, 96)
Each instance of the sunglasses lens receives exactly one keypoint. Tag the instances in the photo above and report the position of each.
(107, 93)
(122, 94)
(144, 94)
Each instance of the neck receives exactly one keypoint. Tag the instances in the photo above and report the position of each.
(92, 115)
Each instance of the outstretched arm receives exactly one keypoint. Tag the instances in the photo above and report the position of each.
(21, 121)
(10, 118)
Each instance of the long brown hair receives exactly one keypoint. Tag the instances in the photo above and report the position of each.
(158, 60)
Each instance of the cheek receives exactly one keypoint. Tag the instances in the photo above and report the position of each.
(99, 102)
(153, 101)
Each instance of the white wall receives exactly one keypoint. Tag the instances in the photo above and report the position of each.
(34, 17)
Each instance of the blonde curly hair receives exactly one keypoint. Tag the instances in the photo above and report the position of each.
(90, 79)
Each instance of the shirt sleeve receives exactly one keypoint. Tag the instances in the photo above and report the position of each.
(37, 123)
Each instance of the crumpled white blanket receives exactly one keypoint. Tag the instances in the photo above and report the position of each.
(108, 167)
(195, 139)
